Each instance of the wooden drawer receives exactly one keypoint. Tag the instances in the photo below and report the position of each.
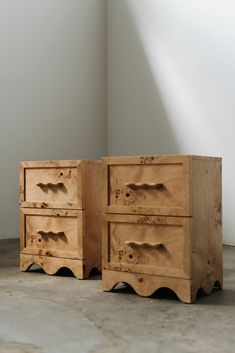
(51, 184)
(147, 244)
(57, 233)
(147, 185)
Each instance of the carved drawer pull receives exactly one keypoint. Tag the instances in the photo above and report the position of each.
(54, 234)
(51, 185)
(145, 185)
(144, 245)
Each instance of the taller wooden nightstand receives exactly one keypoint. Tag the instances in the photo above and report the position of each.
(162, 224)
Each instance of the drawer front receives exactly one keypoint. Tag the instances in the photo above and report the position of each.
(147, 244)
(155, 186)
(48, 185)
(57, 233)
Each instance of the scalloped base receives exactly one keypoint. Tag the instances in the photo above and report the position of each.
(146, 285)
(51, 265)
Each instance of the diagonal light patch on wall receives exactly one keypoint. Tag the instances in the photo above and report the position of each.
(181, 63)
(189, 47)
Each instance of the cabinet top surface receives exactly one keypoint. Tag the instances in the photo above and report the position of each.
(157, 158)
(56, 163)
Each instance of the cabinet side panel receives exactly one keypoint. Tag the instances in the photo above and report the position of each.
(92, 182)
(22, 229)
(207, 266)
(21, 183)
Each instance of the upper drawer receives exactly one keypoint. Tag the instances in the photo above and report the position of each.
(51, 184)
(147, 185)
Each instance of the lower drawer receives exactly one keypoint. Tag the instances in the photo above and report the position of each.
(147, 244)
(57, 233)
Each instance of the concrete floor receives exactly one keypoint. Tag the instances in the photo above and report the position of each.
(60, 314)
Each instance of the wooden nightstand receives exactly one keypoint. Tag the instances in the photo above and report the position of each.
(162, 224)
(61, 215)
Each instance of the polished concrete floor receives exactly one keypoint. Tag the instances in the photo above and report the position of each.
(60, 314)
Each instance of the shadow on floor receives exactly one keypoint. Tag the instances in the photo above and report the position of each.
(162, 293)
(217, 297)
(222, 297)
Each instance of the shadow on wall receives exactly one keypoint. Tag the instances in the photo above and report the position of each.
(137, 119)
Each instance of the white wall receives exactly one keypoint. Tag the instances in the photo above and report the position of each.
(52, 88)
(171, 83)
(171, 78)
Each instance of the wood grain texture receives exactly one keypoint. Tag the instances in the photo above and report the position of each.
(56, 233)
(206, 259)
(61, 213)
(147, 186)
(93, 215)
(183, 253)
(51, 184)
(169, 259)
(51, 265)
(154, 159)
(145, 285)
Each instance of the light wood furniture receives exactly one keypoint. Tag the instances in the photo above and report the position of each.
(162, 224)
(60, 212)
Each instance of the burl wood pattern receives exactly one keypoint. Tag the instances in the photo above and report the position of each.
(147, 185)
(61, 216)
(147, 244)
(146, 285)
(52, 184)
(56, 233)
(183, 253)
(51, 265)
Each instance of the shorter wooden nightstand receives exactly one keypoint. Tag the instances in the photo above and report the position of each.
(61, 216)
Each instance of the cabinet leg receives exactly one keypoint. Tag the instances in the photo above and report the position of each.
(146, 285)
(52, 265)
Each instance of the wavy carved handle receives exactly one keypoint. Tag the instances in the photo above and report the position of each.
(144, 244)
(145, 185)
(46, 234)
(51, 185)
